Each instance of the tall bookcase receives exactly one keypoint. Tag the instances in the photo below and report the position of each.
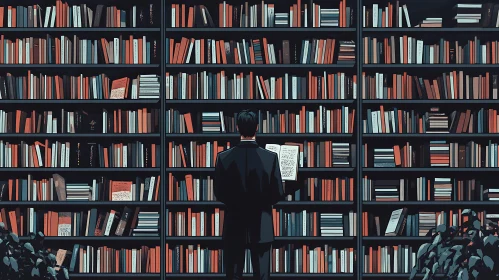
(343, 33)
(356, 33)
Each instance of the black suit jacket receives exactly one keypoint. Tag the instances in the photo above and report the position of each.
(248, 181)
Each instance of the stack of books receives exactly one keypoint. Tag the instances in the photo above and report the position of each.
(468, 15)
(431, 22)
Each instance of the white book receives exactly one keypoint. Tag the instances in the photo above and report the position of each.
(134, 260)
(272, 54)
(214, 52)
(406, 13)
(52, 20)
(172, 15)
(144, 50)
(134, 16)
(47, 16)
(375, 15)
(419, 51)
(319, 16)
(386, 18)
(316, 57)
(39, 155)
(400, 17)
(63, 51)
(484, 54)
(395, 222)
(239, 46)
(305, 50)
(191, 45)
(125, 156)
(109, 223)
(75, 23)
(9, 17)
(78, 16)
(90, 14)
(432, 57)
(21, 48)
(116, 50)
(151, 188)
(409, 50)
(84, 52)
(217, 223)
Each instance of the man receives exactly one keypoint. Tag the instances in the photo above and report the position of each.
(248, 181)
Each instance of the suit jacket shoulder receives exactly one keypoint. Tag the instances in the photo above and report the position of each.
(223, 154)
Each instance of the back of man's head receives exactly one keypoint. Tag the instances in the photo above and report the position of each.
(247, 123)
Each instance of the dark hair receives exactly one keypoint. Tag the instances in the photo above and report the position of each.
(247, 123)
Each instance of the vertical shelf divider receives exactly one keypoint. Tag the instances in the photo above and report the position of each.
(359, 51)
(164, 184)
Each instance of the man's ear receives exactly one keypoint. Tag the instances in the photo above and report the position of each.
(257, 126)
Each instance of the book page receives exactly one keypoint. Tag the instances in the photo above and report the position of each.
(288, 161)
(276, 148)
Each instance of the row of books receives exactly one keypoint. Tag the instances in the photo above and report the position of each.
(188, 188)
(262, 15)
(310, 223)
(462, 15)
(194, 223)
(62, 14)
(286, 223)
(403, 223)
(286, 259)
(219, 85)
(428, 189)
(437, 153)
(41, 86)
(67, 50)
(93, 222)
(180, 188)
(434, 121)
(389, 259)
(66, 154)
(256, 51)
(311, 154)
(101, 189)
(410, 50)
(321, 120)
(390, 15)
(92, 259)
(142, 120)
(450, 85)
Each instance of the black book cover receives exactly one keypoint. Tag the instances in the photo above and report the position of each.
(141, 16)
(3, 191)
(90, 155)
(198, 17)
(98, 16)
(125, 219)
(3, 88)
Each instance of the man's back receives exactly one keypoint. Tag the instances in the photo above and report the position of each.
(248, 182)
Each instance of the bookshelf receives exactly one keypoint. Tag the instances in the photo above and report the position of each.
(79, 175)
(419, 10)
(163, 30)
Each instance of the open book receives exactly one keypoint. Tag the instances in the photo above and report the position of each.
(288, 156)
